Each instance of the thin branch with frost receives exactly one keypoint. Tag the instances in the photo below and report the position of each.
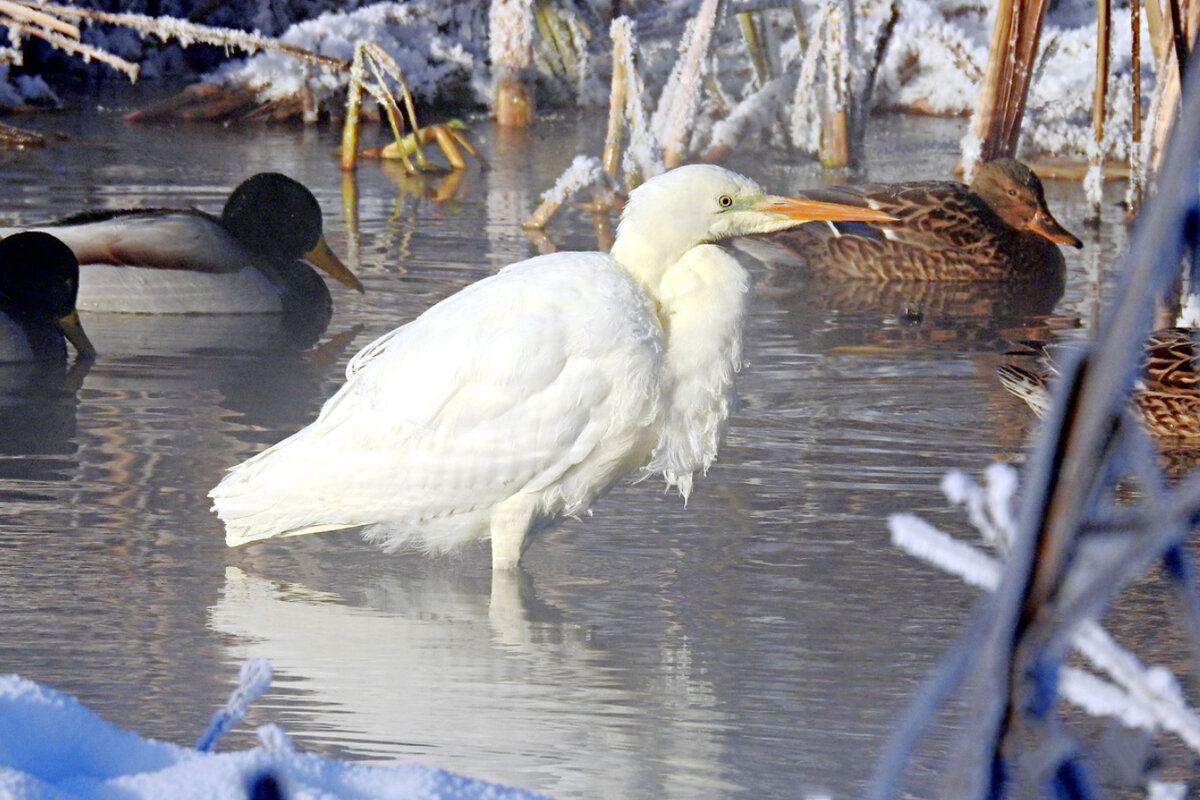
(187, 33)
(1141, 697)
(749, 116)
(85, 51)
(254, 678)
(584, 171)
(25, 13)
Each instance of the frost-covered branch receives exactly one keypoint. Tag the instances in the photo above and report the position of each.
(1142, 697)
(254, 678)
(188, 33)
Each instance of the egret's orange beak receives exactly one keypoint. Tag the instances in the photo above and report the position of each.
(818, 210)
(323, 258)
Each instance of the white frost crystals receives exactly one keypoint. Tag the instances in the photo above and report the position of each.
(1136, 695)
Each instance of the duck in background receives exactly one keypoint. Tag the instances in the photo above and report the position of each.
(253, 259)
(997, 229)
(1166, 394)
(39, 278)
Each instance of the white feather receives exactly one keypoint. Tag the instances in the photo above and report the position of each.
(525, 396)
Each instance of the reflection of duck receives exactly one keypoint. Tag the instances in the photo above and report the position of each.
(39, 278)
(993, 304)
(246, 261)
(1167, 394)
(998, 229)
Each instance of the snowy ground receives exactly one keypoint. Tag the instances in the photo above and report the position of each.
(52, 747)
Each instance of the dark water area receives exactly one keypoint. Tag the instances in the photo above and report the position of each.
(758, 643)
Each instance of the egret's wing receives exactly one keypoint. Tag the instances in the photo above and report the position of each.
(499, 389)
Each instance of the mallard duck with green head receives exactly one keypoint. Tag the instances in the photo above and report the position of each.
(256, 257)
(39, 278)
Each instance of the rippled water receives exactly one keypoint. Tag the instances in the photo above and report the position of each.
(758, 643)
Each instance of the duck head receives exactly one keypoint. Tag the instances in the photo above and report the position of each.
(1012, 191)
(278, 218)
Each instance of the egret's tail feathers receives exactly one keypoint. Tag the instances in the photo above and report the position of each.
(256, 507)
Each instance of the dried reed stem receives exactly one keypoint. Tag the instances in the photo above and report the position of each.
(997, 119)
(1099, 107)
(27, 14)
(1137, 177)
(835, 130)
(617, 97)
(353, 112)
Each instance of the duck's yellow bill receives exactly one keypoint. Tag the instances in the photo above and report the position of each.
(72, 328)
(323, 258)
(819, 210)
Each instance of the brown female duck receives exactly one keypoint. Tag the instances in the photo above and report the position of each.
(1167, 393)
(998, 229)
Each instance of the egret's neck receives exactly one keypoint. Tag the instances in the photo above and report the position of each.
(647, 256)
(702, 300)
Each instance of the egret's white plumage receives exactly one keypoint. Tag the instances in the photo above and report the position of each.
(527, 395)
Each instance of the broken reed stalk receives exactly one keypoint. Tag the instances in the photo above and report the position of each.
(997, 119)
(616, 100)
(1154, 26)
(379, 59)
(353, 112)
(1178, 36)
(510, 46)
(1137, 177)
(18, 138)
(835, 129)
(1167, 90)
(1099, 107)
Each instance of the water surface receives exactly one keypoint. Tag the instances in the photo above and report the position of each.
(757, 643)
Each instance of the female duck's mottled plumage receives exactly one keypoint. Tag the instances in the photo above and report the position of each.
(251, 259)
(998, 229)
(1167, 393)
(39, 277)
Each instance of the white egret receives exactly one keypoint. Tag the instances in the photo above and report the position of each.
(526, 396)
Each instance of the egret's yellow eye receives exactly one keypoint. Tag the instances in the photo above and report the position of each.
(725, 201)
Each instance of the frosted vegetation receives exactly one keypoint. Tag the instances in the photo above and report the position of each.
(926, 56)
(681, 97)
